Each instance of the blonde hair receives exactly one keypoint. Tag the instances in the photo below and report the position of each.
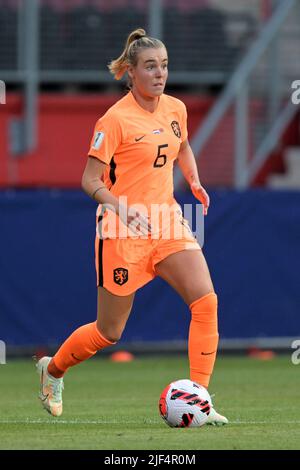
(136, 41)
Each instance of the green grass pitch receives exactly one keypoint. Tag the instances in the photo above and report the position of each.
(115, 406)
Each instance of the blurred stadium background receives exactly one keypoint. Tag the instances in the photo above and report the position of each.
(232, 63)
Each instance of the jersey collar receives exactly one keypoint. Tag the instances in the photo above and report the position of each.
(137, 105)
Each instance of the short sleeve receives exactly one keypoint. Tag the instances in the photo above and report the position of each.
(106, 139)
(184, 131)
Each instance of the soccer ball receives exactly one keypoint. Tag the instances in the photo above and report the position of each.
(185, 404)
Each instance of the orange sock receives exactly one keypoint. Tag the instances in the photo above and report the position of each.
(203, 338)
(82, 344)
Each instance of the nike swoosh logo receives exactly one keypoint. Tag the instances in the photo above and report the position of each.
(43, 397)
(207, 354)
(73, 355)
(140, 138)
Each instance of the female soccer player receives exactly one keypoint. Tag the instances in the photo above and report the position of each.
(132, 153)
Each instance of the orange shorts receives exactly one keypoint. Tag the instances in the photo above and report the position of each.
(124, 265)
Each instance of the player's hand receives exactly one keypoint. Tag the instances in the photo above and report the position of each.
(200, 194)
(137, 222)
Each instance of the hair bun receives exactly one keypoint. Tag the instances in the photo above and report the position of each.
(137, 34)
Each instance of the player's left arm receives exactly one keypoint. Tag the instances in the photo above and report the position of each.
(188, 166)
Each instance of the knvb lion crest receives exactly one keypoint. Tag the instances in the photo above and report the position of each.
(176, 128)
(120, 276)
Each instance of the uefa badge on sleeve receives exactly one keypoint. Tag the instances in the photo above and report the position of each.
(99, 136)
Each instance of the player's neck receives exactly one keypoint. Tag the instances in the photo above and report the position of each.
(146, 102)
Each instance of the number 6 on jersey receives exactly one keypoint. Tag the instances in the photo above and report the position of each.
(158, 163)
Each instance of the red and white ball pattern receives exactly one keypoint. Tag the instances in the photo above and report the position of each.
(184, 403)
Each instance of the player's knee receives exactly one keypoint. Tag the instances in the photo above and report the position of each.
(112, 334)
(113, 337)
(197, 295)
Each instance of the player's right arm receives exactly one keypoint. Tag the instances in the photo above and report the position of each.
(94, 187)
(106, 140)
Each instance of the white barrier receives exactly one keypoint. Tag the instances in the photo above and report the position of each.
(2, 352)
(2, 92)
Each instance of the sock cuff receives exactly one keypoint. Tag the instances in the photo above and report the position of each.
(100, 339)
(210, 297)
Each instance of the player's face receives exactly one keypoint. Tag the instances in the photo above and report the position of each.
(151, 72)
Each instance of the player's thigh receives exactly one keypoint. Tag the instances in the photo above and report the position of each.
(112, 313)
(187, 272)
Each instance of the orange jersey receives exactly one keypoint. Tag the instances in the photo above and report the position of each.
(140, 148)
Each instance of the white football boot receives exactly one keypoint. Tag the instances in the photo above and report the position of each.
(50, 388)
(215, 419)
